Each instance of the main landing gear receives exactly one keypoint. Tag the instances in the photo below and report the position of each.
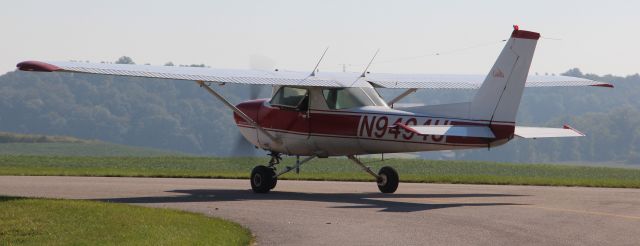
(387, 178)
(264, 178)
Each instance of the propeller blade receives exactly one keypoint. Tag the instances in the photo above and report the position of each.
(254, 91)
(259, 62)
(242, 147)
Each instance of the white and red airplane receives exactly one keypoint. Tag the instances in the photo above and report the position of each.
(341, 114)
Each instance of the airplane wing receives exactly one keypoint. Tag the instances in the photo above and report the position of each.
(263, 77)
(239, 76)
(449, 81)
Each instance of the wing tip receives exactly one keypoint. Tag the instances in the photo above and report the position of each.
(37, 66)
(607, 85)
(566, 126)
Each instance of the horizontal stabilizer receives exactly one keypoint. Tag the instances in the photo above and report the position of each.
(450, 130)
(545, 132)
(407, 105)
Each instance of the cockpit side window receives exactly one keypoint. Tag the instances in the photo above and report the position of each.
(345, 98)
(375, 96)
(291, 97)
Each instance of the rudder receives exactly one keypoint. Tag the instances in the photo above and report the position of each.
(498, 98)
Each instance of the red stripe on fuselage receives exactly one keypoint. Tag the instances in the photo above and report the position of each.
(375, 139)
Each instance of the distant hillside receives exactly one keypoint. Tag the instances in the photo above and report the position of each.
(163, 114)
(26, 144)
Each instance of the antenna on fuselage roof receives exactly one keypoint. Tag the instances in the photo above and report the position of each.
(367, 68)
(313, 73)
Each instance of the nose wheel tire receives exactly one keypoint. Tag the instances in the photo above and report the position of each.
(262, 179)
(388, 182)
(274, 181)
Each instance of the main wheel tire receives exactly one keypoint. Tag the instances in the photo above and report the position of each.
(262, 180)
(389, 180)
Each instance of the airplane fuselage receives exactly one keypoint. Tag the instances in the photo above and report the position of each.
(364, 130)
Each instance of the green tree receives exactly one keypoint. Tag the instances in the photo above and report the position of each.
(125, 60)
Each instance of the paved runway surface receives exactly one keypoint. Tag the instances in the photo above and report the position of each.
(346, 213)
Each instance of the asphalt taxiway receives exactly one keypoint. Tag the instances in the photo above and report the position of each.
(355, 213)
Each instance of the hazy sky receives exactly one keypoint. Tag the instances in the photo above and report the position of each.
(596, 36)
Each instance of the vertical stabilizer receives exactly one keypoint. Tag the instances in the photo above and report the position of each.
(498, 98)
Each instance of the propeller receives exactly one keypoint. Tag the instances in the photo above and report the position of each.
(242, 147)
(254, 91)
(259, 62)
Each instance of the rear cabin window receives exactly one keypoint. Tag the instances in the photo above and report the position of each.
(345, 98)
(290, 97)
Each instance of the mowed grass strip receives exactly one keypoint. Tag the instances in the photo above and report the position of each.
(466, 172)
(88, 148)
(29, 221)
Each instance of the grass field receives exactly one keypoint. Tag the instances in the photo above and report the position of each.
(325, 169)
(80, 149)
(28, 221)
(33, 144)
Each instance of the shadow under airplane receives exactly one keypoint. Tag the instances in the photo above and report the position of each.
(351, 200)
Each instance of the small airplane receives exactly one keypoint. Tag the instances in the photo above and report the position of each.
(318, 115)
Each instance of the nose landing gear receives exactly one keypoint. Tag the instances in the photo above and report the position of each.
(264, 179)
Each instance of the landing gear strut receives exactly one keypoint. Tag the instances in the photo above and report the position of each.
(264, 178)
(387, 178)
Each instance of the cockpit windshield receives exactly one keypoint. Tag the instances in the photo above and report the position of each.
(345, 98)
(291, 97)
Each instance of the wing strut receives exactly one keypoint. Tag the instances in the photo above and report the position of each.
(238, 111)
(399, 97)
